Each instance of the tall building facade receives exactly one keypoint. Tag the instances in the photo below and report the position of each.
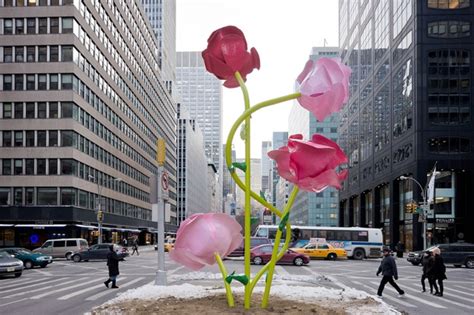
(410, 108)
(162, 16)
(278, 196)
(266, 171)
(228, 186)
(255, 185)
(316, 209)
(82, 105)
(192, 168)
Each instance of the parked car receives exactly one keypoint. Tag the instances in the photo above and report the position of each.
(10, 265)
(98, 251)
(456, 254)
(28, 258)
(263, 253)
(169, 244)
(62, 247)
(322, 250)
(254, 241)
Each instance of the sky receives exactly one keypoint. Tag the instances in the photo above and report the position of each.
(283, 32)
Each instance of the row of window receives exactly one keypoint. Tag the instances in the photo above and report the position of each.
(32, 3)
(52, 53)
(448, 4)
(449, 145)
(68, 196)
(42, 81)
(42, 25)
(449, 29)
(72, 167)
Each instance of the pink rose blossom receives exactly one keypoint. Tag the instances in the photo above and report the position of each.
(202, 235)
(310, 165)
(227, 53)
(324, 86)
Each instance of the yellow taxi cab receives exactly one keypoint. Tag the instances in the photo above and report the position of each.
(322, 250)
(169, 244)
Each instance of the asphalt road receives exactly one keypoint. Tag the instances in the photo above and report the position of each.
(65, 287)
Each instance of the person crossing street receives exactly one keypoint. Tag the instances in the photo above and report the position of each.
(113, 266)
(388, 268)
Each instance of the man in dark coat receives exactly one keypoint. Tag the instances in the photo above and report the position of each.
(427, 268)
(113, 265)
(388, 268)
(438, 272)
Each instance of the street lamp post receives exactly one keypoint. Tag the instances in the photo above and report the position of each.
(424, 207)
(100, 213)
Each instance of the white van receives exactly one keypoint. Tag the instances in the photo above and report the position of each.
(62, 247)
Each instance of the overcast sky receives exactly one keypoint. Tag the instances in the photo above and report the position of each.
(283, 32)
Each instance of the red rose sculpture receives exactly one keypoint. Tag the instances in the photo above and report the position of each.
(310, 165)
(227, 53)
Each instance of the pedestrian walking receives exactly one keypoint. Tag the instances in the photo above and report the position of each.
(438, 272)
(427, 264)
(124, 242)
(388, 268)
(135, 248)
(113, 265)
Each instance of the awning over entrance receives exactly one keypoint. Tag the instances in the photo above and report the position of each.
(40, 225)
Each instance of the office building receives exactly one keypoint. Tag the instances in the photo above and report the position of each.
(255, 185)
(310, 208)
(266, 170)
(192, 168)
(409, 109)
(82, 105)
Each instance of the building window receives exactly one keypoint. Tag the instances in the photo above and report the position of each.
(53, 53)
(41, 166)
(53, 81)
(449, 145)
(43, 25)
(53, 109)
(68, 196)
(32, 3)
(68, 167)
(18, 170)
(19, 82)
(53, 166)
(19, 54)
(30, 138)
(449, 29)
(31, 26)
(7, 138)
(8, 54)
(448, 4)
(67, 25)
(18, 196)
(66, 53)
(42, 110)
(4, 196)
(18, 110)
(29, 166)
(7, 83)
(68, 138)
(29, 196)
(53, 138)
(7, 167)
(403, 99)
(42, 82)
(66, 81)
(7, 26)
(41, 141)
(30, 53)
(18, 138)
(19, 26)
(42, 53)
(47, 196)
(30, 82)
(54, 25)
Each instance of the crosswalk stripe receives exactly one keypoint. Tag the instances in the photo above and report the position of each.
(101, 294)
(464, 288)
(68, 296)
(19, 283)
(33, 285)
(373, 290)
(280, 270)
(36, 297)
(457, 296)
(459, 291)
(40, 289)
(424, 301)
(13, 302)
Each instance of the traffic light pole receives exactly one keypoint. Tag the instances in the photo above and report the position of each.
(425, 214)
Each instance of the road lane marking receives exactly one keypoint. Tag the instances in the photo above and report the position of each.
(20, 283)
(45, 273)
(37, 297)
(280, 270)
(78, 265)
(459, 291)
(464, 288)
(424, 301)
(68, 296)
(398, 301)
(175, 270)
(12, 302)
(32, 285)
(101, 294)
(40, 289)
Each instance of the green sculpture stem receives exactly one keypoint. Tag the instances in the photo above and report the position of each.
(228, 290)
(230, 137)
(276, 245)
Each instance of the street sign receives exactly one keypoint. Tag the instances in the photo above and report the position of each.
(164, 181)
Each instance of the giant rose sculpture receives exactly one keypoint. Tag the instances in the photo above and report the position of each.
(310, 165)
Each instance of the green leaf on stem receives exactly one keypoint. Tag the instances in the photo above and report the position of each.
(241, 278)
(241, 166)
(283, 221)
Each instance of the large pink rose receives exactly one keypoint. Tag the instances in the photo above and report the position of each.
(324, 86)
(202, 235)
(310, 165)
(227, 53)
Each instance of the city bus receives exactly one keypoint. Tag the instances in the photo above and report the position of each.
(359, 242)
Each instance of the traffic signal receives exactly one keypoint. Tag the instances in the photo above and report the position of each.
(411, 207)
(100, 216)
(408, 208)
